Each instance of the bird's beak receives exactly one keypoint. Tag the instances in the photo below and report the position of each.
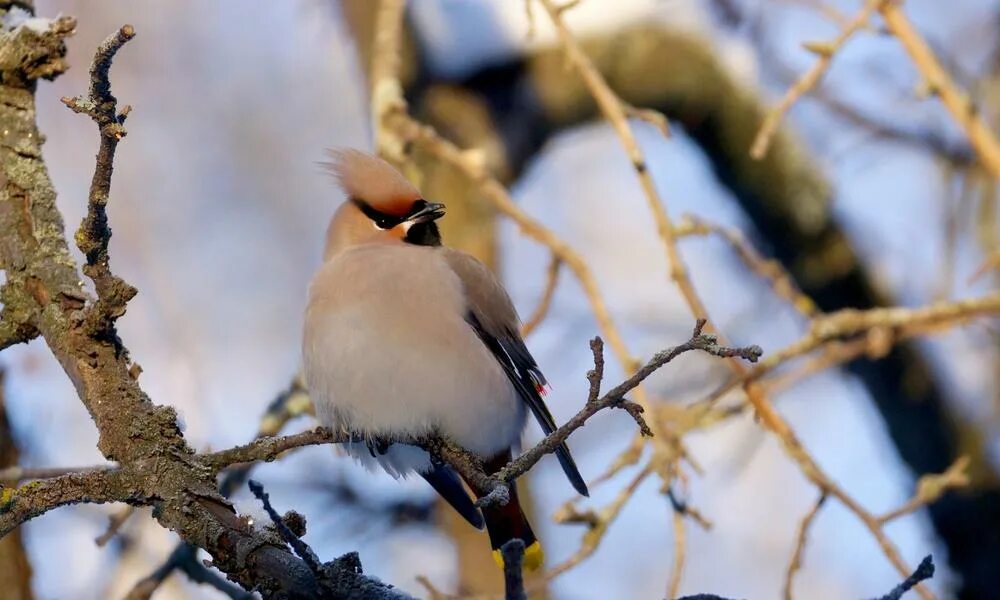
(431, 212)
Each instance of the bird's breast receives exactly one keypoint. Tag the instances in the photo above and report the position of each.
(387, 352)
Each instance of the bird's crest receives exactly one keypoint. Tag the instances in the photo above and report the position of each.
(370, 179)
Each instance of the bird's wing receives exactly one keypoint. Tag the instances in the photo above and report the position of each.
(491, 314)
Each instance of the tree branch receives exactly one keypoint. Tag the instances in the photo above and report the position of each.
(825, 51)
(94, 234)
(21, 504)
(938, 82)
(269, 448)
(493, 488)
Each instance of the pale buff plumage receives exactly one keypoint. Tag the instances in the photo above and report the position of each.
(405, 338)
(388, 354)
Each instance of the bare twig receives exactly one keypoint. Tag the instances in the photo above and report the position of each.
(597, 523)
(184, 558)
(991, 262)
(681, 509)
(615, 398)
(680, 545)
(923, 572)
(847, 323)
(269, 448)
(808, 81)
(938, 82)
(800, 544)
(94, 234)
(115, 523)
(653, 117)
(596, 376)
(931, 487)
(493, 488)
(301, 548)
(540, 312)
(614, 111)
(769, 270)
(685, 509)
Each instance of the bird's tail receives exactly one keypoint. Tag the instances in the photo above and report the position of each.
(507, 522)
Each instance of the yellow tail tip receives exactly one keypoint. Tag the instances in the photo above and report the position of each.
(534, 557)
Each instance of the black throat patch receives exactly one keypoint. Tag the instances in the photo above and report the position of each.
(423, 234)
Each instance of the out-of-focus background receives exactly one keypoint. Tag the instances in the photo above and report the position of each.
(870, 196)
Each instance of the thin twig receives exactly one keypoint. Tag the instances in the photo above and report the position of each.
(937, 81)
(771, 271)
(800, 544)
(597, 524)
(931, 487)
(826, 52)
(28, 501)
(269, 448)
(184, 558)
(115, 524)
(847, 323)
(94, 234)
(615, 398)
(924, 571)
(991, 262)
(540, 312)
(614, 111)
(302, 550)
(680, 546)
(493, 488)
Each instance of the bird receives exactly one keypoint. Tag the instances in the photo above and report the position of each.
(406, 338)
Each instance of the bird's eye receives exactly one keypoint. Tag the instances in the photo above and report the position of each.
(383, 223)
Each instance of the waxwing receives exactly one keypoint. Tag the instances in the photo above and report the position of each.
(405, 338)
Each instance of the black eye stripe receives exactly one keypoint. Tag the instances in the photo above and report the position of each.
(382, 220)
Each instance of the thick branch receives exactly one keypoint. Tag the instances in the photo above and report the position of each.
(21, 504)
(16, 474)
